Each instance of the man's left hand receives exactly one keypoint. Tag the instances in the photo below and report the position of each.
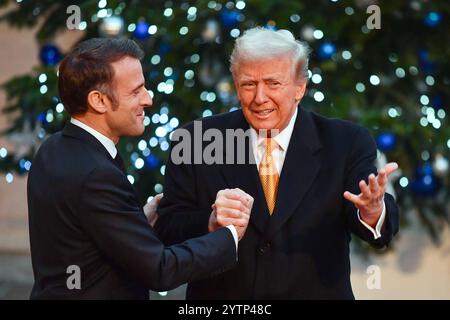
(370, 200)
(150, 209)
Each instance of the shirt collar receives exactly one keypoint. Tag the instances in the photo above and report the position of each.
(105, 141)
(283, 138)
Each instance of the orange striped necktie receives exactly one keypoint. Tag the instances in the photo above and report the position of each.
(269, 176)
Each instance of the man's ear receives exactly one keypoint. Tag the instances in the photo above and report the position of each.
(300, 91)
(97, 101)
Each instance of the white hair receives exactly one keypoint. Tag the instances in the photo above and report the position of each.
(262, 44)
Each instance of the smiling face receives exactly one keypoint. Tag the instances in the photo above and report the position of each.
(127, 117)
(268, 91)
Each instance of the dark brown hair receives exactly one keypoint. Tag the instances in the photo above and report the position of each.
(88, 67)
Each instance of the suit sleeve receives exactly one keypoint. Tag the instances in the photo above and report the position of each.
(112, 217)
(360, 164)
(180, 217)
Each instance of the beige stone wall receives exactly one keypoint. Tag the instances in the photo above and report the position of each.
(416, 270)
(18, 55)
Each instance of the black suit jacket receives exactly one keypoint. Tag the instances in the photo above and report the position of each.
(302, 250)
(83, 211)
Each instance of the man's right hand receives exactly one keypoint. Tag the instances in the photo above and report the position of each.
(232, 206)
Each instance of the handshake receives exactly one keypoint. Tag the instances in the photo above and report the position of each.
(232, 207)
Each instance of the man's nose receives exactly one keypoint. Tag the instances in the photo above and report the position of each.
(261, 96)
(147, 100)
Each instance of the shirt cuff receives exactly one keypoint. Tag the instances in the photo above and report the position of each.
(235, 236)
(377, 231)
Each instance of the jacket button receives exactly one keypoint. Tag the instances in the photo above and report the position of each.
(261, 251)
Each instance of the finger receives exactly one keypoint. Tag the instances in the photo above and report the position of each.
(390, 168)
(243, 198)
(246, 211)
(248, 198)
(231, 195)
(365, 191)
(373, 184)
(246, 204)
(244, 207)
(228, 203)
(353, 198)
(228, 213)
(240, 191)
(221, 192)
(214, 214)
(382, 179)
(251, 205)
(158, 197)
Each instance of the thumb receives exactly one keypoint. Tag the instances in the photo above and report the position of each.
(158, 197)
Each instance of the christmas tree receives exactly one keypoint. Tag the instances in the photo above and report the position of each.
(388, 72)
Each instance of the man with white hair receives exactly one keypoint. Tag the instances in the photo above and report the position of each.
(314, 183)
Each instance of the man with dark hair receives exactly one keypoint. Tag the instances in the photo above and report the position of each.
(89, 235)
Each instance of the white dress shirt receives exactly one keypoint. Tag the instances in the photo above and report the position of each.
(104, 140)
(279, 150)
(111, 148)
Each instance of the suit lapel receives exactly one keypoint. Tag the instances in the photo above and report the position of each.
(246, 177)
(76, 132)
(71, 130)
(300, 168)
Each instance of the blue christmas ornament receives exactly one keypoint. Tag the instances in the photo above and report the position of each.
(425, 182)
(426, 65)
(386, 141)
(141, 31)
(152, 161)
(24, 165)
(432, 19)
(230, 19)
(42, 118)
(326, 50)
(49, 55)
